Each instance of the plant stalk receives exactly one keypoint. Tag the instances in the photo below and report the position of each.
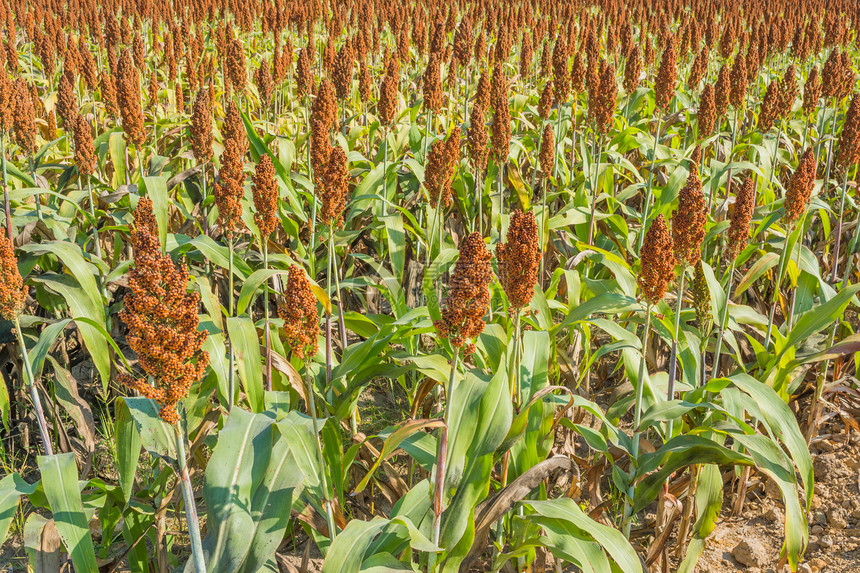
(190, 507)
(34, 392)
(312, 407)
(673, 356)
(637, 419)
(647, 204)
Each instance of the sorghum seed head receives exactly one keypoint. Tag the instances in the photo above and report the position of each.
(667, 76)
(547, 150)
(740, 219)
(12, 293)
(299, 313)
(162, 320)
(849, 141)
(519, 259)
(201, 127)
(265, 188)
(799, 188)
(478, 137)
(468, 295)
(811, 92)
(85, 152)
(334, 188)
(658, 261)
(688, 221)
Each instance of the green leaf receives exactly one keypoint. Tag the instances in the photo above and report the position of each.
(246, 346)
(679, 452)
(154, 433)
(393, 442)
(128, 446)
(771, 461)
(818, 318)
(609, 538)
(249, 288)
(46, 340)
(12, 487)
(82, 306)
(761, 266)
(347, 550)
(235, 470)
(607, 303)
(782, 422)
(117, 157)
(156, 189)
(709, 500)
(568, 542)
(280, 483)
(60, 480)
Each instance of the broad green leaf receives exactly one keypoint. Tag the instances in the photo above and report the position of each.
(609, 538)
(12, 487)
(252, 285)
(156, 435)
(348, 548)
(246, 345)
(280, 482)
(393, 442)
(60, 480)
(782, 422)
(82, 306)
(128, 446)
(156, 189)
(235, 470)
(46, 340)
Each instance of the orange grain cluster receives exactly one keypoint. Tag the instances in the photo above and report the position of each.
(469, 294)
(519, 259)
(688, 221)
(658, 261)
(12, 293)
(299, 313)
(265, 189)
(162, 320)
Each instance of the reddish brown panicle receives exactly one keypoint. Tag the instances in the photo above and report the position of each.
(334, 188)
(161, 317)
(469, 294)
(519, 259)
(299, 313)
(265, 188)
(740, 219)
(688, 221)
(658, 261)
(12, 293)
(799, 188)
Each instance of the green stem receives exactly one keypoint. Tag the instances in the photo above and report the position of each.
(6, 208)
(231, 377)
(441, 453)
(268, 332)
(190, 506)
(34, 393)
(96, 247)
(312, 407)
(673, 355)
(777, 284)
(647, 204)
(38, 195)
(637, 419)
(723, 323)
(594, 190)
(838, 237)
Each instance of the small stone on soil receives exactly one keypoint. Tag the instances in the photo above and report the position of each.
(750, 552)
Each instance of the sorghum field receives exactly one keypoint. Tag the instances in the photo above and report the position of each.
(377, 286)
